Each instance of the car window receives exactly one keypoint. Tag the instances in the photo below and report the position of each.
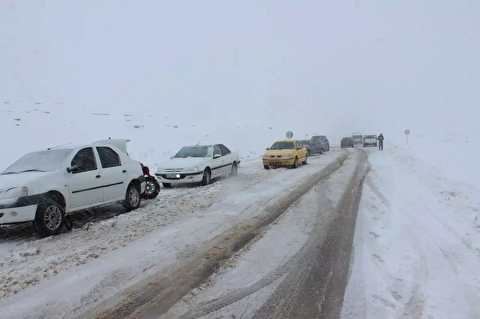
(306, 142)
(84, 160)
(194, 151)
(299, 144)
(224, 149)
(45, 161)
(217, 151)
(283, 146)
(108, 157)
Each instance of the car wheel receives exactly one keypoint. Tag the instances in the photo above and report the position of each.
(295, 162)
(167, 185)
(49, 218)
(206, 177)
(152, 188)
(234, 170)
(266, 167)
(132, 197)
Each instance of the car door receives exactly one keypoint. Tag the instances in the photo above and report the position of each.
(228, 158)
(84, 179)
(301, 151)
(114, 174)
(218, 162)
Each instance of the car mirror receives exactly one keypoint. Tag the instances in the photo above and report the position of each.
(73, 169)
(217, 155)
(268, 148)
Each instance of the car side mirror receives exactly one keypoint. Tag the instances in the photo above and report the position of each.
(73, 169)
(217, 156)
(268, 148)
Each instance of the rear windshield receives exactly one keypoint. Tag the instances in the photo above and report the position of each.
(283, 146)
(370, 136)
(357, 136)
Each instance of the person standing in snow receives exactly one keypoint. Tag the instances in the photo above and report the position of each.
(380, 139)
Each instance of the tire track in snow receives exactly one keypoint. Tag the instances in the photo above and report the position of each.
(164, 292)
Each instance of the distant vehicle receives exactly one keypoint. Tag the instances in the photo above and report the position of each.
(369, 140)
(347, 142)
(285, 153)
(312, 148)
(198, 164)
(357, 138)
(43, 186)
(322, 141)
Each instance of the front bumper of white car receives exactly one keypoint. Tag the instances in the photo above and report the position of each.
(18, 210)
(179, 178)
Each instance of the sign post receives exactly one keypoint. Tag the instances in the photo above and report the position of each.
(407, 132)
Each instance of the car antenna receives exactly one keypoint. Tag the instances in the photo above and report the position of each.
(48, 149)
(197, 143)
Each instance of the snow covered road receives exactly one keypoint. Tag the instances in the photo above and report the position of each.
(66, 275)
(416, 244)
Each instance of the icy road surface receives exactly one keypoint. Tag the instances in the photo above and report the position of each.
(65, 275)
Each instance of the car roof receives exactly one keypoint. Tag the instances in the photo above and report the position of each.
(118, 143)
(286, 141)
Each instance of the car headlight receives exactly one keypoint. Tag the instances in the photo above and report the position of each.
(15, 192)
(265, 157)
(195, 168)
(287, 156)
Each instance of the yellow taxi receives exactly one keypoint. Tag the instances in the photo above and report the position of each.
(285, 153)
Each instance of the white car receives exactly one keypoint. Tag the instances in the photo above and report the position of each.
(369, 140)
(198, 164)
(44, 186)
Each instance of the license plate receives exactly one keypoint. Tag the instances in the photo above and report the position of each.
(173, 175)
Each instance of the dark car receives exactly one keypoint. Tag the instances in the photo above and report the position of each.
(346, 142)
(312, 148)
(322, 141)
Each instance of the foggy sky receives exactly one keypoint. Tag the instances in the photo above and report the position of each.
(329, 66)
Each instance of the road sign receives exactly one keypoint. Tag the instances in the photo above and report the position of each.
(407, 131)
(289, 134)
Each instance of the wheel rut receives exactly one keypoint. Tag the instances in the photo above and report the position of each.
(159, 292)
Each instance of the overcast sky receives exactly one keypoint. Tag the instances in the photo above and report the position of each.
(339, 66)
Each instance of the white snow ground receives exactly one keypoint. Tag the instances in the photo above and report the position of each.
(417, 239)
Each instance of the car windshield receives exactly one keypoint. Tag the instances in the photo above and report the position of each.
(283, 146)
(357, 136)
(44, 161)
(194, 151)
(370, 136)
(305, 142)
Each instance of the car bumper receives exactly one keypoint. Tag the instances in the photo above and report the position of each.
(143, 184)
(278, 163)
(17, 214)
(183, 178)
